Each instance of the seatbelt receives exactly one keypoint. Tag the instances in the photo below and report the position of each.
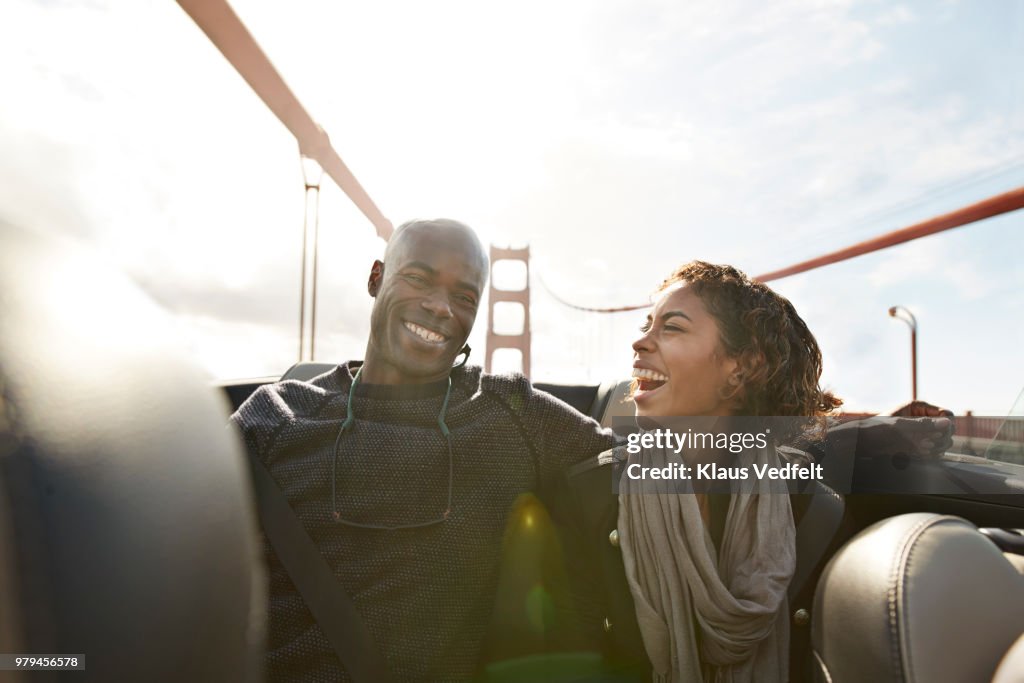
(817, 528)
(330, 605)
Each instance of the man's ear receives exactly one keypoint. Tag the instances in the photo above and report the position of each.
(376, 277)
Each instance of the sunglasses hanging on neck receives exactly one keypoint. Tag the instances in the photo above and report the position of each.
(348, 424)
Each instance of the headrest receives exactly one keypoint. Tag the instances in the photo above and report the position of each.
(918, 597)
(619, 407)
(127, 532)
(306, 370)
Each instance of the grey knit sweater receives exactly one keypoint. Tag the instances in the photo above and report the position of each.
(424, 594)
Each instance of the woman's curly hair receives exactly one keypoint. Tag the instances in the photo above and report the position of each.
(779, 359)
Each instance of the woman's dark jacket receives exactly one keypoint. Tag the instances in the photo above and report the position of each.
(602, 606)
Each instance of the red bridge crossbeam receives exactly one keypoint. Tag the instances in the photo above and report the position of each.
(225, 30)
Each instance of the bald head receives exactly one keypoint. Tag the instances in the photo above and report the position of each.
(457, 235)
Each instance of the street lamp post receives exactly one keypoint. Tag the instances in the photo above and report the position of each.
(901, 313)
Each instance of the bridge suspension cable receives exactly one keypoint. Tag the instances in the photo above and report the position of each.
(987, 208)
(588, 309)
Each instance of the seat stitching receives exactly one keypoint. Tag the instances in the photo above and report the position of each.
(898, 593)
(892, 594)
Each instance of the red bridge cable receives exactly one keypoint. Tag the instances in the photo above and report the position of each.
(227, 32)
(987, 208)
(618, 309)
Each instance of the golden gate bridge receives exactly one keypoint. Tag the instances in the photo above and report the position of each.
(227, 32)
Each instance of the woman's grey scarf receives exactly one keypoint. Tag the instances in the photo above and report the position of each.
(702, 617)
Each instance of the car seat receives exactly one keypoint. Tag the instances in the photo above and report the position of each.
(127, 533)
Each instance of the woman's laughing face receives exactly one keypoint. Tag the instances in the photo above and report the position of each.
(680, 366)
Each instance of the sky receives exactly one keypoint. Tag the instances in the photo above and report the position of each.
(617, 139)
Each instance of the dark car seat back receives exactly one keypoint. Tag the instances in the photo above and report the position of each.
(127, 533)
(917, 597)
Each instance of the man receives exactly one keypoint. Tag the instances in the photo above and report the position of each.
(407, 500)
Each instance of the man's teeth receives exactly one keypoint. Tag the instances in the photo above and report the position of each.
(649, 375)
(425, 334)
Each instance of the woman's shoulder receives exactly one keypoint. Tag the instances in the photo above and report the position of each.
(600, 465)
(591, 486)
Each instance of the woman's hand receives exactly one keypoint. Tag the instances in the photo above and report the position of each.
(921, 409)
(919, 430)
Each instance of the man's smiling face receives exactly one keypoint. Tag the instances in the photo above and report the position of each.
(426, 294)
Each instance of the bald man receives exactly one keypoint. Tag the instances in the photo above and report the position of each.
(403, 468)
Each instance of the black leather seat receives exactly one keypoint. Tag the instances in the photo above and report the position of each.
(307, 370)
(127, 532)
(918, 597)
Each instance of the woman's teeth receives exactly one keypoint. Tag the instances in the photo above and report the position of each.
(649, 375)
(425, 334)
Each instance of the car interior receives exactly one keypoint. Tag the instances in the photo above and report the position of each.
(129, 531)
(866, 529)
(127, 528)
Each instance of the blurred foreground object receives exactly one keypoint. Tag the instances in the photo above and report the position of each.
(127, 532)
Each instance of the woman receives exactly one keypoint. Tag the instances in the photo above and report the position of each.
(697, 587)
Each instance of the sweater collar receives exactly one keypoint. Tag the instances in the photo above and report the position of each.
(393, 391)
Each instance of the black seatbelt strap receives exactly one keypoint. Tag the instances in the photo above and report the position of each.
(817, 528)
(327, 600)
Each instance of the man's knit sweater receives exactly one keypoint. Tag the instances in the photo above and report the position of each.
(424, 594)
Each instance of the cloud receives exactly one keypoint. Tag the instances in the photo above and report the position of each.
(617, 138)
(898, 14)
(917, 263)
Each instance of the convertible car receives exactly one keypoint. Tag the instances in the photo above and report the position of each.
(130, 544)
(128, 533)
